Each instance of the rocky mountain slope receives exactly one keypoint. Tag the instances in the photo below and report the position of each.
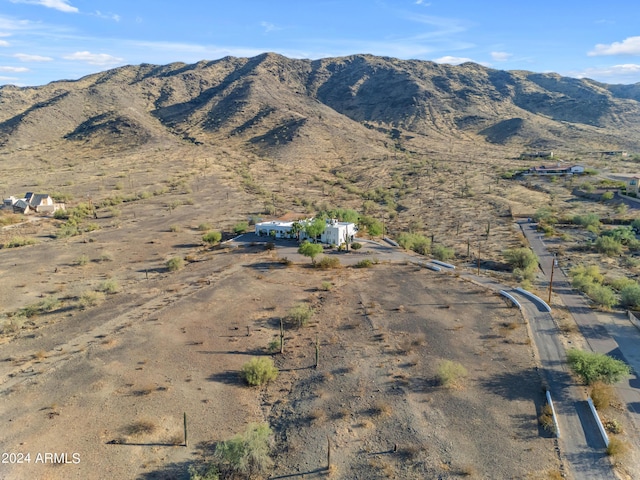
(278, 106)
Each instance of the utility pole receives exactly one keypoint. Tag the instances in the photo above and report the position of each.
(553, 264)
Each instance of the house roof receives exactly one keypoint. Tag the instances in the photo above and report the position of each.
(37, 198)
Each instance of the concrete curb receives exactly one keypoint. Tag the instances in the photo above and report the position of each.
(603, 432)
(553, 413)
(534, 297)
(442, 264)
(510, 297)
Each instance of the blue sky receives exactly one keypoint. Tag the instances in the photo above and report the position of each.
(46, 40)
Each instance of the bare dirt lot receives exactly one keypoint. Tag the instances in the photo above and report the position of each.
(111, 382)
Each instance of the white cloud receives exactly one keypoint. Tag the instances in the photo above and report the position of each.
(61, 5)
(501, 56)
(4, 43)
(14, 69)
(93, 58)
(24, 57)
(423, 3)
(108, 16)
(629, 46)
(617, 71)
(269, 27)
(452, 60)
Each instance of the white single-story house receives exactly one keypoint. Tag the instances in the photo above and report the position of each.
(555, 170)
(33, 202)
(276, 229)
(335, 232)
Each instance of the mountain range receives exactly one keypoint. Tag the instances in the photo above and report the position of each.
(277, 106)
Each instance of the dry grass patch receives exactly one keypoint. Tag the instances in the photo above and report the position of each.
(381, 409)
(617, 448)
(140, 427)
(602, 395)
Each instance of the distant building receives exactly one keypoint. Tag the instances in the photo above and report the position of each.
(527, 155)
(555, 170)
(33, 202)
(335, 232)
(632, 185)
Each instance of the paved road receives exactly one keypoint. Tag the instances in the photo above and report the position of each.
(620, 339)
(580, 441)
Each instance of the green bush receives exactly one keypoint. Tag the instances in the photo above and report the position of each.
(240, 227)
(630, 295)
(175, 263)
(245, 455)
(91, 299)
(258, 371)
(602, 295)
(588, 220)
(523, 261)
(109, 286)
(364, 263)
(442, 253)
(356, 246)
(608, 246)
(606, 196)
(16, 242)
(299, 315)
(450, 374)
(329, 263)
(594, 367)
(205, 227)
(414, 241)
(212, 237)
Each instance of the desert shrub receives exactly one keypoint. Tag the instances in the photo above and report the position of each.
(546, 419)
(613, 426)
(245, 455)
(617, 447)
(269, 246)
(442, 253)
(82, 260)
(630, 295)
(356, 246)
(274, 346)
(67, 230)
(91, 298)
(414, 241)
(46, 305)
(175, 263)
(206, 472)
(109, 286)
(212, 237)
(299, 315)
(19, 242)
(205, 227)
(602, 295)
(374, 227)
(545, 215)
(588, 220)
(258, 371)
(240, 227)
(602, 394)
(327, 263)
(619, 283)
(608, 246)
(594, 367)
(450, 374)
(522, 258)
(582, 278)
(606, 196)
(175, 228)
(364, 263)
